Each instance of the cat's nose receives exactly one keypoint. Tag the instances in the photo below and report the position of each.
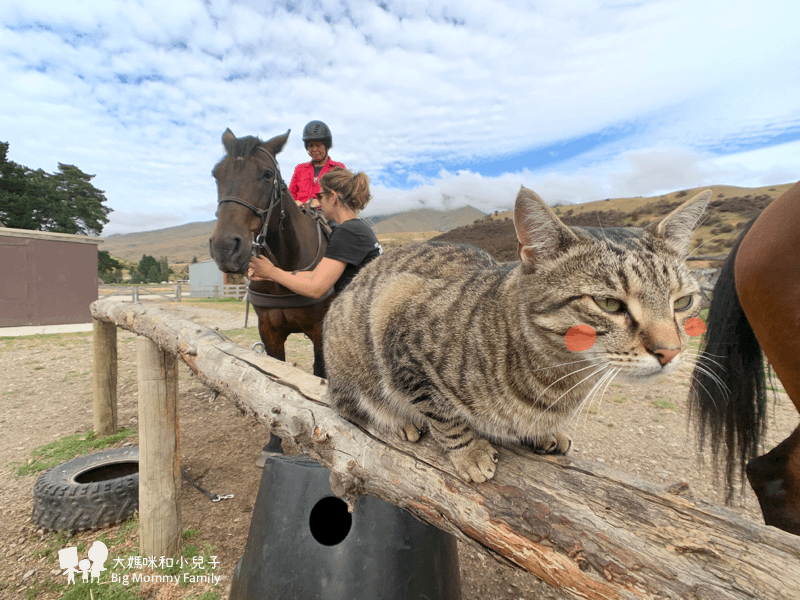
(664, 355)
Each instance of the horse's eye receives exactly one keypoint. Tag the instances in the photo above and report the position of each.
(268, 174)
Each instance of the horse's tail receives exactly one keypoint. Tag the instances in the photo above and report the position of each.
(728, 395)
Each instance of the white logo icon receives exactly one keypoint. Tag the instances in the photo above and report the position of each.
(92, 566)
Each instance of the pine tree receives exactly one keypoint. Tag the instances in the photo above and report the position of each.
(64, 202)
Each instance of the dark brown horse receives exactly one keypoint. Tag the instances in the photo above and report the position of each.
(256, 213)
(755, 308)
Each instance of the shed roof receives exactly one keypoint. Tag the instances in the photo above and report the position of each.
(48, 235)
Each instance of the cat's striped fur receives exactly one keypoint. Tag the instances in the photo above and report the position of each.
(441, 337)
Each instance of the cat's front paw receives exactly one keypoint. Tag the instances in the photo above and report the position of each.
(552, 443)
(408, 432)
(476, 462)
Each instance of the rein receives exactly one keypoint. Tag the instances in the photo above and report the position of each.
(259, 244)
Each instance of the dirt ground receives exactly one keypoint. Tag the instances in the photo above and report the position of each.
(47, 394)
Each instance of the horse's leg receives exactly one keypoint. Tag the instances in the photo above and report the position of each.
(775, 478)
(319, 357)
(273, 333)
(315, 335)
(768, 286)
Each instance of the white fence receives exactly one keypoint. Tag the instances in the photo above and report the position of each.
(170, 292)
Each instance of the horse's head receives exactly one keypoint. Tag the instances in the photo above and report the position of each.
(246, 182)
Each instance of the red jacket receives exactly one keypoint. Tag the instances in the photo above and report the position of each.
(304, 185)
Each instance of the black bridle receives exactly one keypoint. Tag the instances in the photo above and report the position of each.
(259, 244)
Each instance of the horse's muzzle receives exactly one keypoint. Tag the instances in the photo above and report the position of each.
(232, 254)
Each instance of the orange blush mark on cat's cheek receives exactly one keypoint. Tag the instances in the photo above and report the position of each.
(694, 326)
(580, 338)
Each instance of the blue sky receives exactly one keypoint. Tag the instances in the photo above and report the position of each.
(441, 103)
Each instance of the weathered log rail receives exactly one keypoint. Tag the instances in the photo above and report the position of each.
(580, 526)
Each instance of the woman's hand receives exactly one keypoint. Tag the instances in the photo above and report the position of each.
(261, 269)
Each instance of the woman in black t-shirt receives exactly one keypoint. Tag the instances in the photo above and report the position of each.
(352, 243)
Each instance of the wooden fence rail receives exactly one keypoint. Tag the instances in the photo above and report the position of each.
(580, 526)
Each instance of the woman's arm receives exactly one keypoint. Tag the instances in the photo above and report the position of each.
(313, 284)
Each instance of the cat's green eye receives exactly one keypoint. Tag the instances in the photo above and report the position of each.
(611, 305)
(683, 303)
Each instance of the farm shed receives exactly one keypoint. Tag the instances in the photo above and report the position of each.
(46, 278)
(203, 277)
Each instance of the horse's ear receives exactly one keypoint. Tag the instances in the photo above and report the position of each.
(277, 143)
(227, 139)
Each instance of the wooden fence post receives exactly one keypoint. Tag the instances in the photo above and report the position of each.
(159, 458)
(104, 408)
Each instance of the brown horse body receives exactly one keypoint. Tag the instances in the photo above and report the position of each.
(767, 276)
(254, 201)
(755, 308)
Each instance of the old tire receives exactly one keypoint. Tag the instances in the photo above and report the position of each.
(88, 492)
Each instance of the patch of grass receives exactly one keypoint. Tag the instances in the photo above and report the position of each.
(244, 337)
(66, 448)
(663, 404)
(619, 399)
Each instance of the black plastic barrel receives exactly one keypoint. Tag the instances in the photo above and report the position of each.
(304, 545)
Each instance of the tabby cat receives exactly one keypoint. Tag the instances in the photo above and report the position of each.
(441, 337)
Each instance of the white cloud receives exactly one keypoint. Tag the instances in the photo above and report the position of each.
(140, 92)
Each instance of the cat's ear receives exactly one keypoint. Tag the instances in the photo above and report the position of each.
(540, 233)
(677, 227)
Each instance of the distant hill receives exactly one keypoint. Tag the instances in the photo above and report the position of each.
(425, 219)
(184, 243)
(730, 208)
(179, 244)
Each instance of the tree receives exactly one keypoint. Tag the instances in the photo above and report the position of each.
(63, 202)
(149, 270)
(109, 269)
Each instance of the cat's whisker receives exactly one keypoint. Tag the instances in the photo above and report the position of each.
(607, 379)
(702, 354)
(608, 383)
(587, 401)
(575, 362)
(715, 378)
(590, 375)
(564, 377)
(707, 366)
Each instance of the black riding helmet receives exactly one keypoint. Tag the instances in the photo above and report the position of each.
(317, 131)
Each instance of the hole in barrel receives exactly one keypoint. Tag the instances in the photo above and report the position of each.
(329, 521)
